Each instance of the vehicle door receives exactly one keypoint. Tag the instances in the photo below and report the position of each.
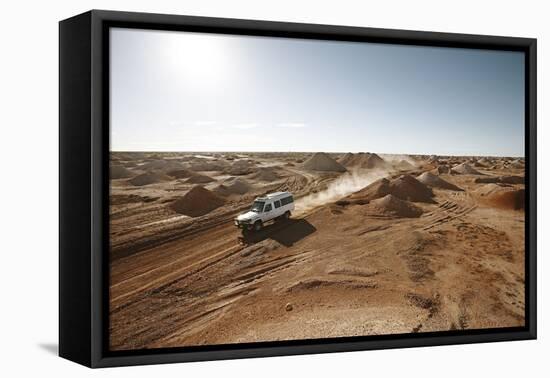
(277, 208)
(268, 212)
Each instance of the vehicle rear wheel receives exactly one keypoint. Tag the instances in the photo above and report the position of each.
(286, 216)
(258, 226)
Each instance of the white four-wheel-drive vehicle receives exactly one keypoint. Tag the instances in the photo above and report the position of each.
(277, 205)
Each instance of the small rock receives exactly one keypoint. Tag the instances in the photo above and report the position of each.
(288, 307)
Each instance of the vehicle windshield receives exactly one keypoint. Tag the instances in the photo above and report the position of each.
(257, 207)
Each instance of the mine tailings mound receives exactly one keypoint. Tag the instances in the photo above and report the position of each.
(500, 179)
(123, 199)
(403, 165)
(197, 178)
(377, 189)
(393, 206)
(161, 165)
(466, 169)
(491, 188)
(237, 186)
(119, 172)
(442, 169)
(364, 160)
(507, 199)
(321, 161)
(404, 187)
(205, 166)
(148, 178)
(241, 167)
(266, 174)
(344, 159)
(233, 186)
(180, 173)
(519, 164)
(502, 196)
(408, 188)
(198, 201)
(484, 162)
(434, 181)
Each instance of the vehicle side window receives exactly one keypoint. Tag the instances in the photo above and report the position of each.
(267, 208)
(287, 200)
(277, 204)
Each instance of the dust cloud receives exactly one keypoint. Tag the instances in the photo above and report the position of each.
(343, 186)
(396, 158)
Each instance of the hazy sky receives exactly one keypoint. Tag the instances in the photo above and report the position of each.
(179, 91)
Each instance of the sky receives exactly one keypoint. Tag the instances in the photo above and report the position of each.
(181, 91)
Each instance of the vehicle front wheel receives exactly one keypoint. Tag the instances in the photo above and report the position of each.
(286, 215)
(258, 226)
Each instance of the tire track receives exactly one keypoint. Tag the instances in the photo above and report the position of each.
(447, 212)
(172, 278)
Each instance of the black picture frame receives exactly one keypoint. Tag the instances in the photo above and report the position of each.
(84, 187)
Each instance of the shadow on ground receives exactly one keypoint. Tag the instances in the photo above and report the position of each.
(286, 233)
(51, 348)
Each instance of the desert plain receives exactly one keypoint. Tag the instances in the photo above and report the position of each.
(378, 244)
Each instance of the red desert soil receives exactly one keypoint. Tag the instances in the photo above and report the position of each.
(355, 266)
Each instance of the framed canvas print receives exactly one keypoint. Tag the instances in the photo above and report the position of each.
(234, 188)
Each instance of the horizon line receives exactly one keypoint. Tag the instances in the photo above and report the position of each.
(311, 152)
